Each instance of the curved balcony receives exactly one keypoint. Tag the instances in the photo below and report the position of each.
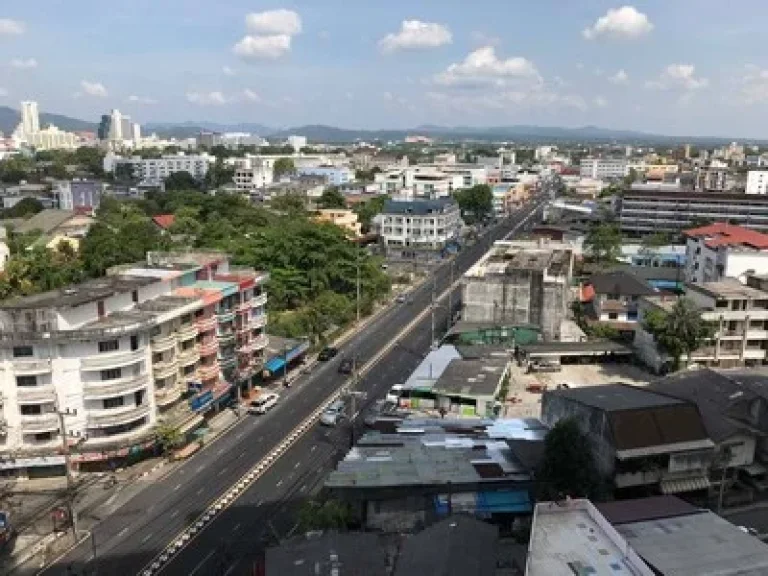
(169, 395)
(242, 327)
(187, 332)
(208, 347)
(31, 367)
(189, 356)
(227, 362)
(116, 416)
(112, 360)
(163, 343)
(208, 372)
(247, 348)
(225, 316)
(112, 388)
(206, 324)
(226, 337)
(260, 342)
(166, 368)
(40, 423)
(258, 321)
(258, 301)
(35, 394)
(244, 307)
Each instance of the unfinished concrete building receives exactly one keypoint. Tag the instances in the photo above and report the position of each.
(518, 283)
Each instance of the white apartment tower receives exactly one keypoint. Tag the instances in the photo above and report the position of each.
(30, 118)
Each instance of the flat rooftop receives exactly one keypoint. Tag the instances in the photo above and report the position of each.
(572, 538)
(614, 397)
(728, 289)
(471, 377)
(506, 257)
(327, 555)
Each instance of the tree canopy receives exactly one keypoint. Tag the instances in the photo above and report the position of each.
(332, 198)
(475, 203)
(603, 243)
(367, 210)
(181, 181)
(679, 331)
(284, 166)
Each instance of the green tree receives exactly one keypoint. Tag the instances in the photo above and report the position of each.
(332, 198)
(181, 181)
(568, 466)
(651, 244)
(630, 178)
(24, 208)
(219, 175)
(680, 331)
(367, 175)
(293, 203)
(367, 210)
(168, 437)
(284, 167)
(603, 243)
(328, 515)
(476, 203)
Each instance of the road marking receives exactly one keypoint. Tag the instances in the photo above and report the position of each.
(174, 514)
(200, 491)
(122, 532)
(146, 538)
(176, 487)
(260, 438)
(297, 465)
(241, 454)
(222, 471)
(203, 563)
(280, 483)
(238, 435)
(259, 503)
(200, 468)
(314, 447)
(236, 527)
(303, 488)
(220, 452)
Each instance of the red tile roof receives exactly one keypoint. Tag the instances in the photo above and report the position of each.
(587, 293)
(724, 234)
(164, 221)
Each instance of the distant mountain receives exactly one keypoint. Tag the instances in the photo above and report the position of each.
(10, 118)
(190, 129)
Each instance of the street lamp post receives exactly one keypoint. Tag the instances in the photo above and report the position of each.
(68, 467)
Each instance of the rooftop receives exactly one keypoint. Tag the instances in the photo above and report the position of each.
(164, 221)
(728, 289)
(432, 367)
(507, 257)
(616, 397)
(418, 207)
(724, 234)
(572, 537)
(46, 221)
(475, 378)
(620, 283)
(329, 554)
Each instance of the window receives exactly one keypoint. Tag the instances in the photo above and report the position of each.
(135, 342)
(100, 309)
(613, 316)
(109, 345)
(31, 409)
(138, 396)
(23, 351)
(26, 381)
(111, 374)
(135, 296)
(43, 436)
(113, 402)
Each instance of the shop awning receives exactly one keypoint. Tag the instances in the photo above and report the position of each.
(681, 485)
(274, 365)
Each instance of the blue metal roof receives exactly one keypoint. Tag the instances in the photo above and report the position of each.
(274, 364)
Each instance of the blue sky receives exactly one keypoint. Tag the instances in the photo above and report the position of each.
(674, 67)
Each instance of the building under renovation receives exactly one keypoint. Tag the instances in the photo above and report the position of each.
(520, 283)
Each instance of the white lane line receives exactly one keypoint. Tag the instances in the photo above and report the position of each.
(303, 488)
(280, 483)
(241, 454)
(239, 435)
(146, 538)
(236, 527)
(200, 468)
(174, 513)
(297, 465)
(314, 447)
(122, 532)
(222, 471)
(203, 563)
(259, 503)
(220, 452)
(200, 491)
(176, 487)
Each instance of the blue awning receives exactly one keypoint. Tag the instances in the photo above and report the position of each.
(274, 364)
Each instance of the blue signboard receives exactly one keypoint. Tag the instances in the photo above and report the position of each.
(3, 520)
(201, 402)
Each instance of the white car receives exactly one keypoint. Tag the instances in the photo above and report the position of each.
(332, 414)
(394, 394)
(263, 404)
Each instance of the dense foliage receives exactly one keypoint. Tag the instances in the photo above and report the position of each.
(475, 203)
(679, 331)
(603, 243)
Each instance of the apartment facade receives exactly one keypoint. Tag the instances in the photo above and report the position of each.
(345, 219)
(100, 364)
(156, 170)
(723, 250)
(248, 179)
(334, 175)
(757, 182)
(418, 182)
(427, 225)
(600, 168)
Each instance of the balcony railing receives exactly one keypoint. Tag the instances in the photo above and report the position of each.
(209, 346)
(258, 321)
(243, 307)
(207, 372)
(112, 388)
(30, 367)
(165, 368)
(225, 315)
(260, 342)
(188, 357)
(164, 342)
(39, 423)
(112, 360)
(206, 324)
(169, 395)
(227, 362)
(118, 441)
(116, 416)
(226, 336)
(260, 300)
(187, 332)
(35, 394)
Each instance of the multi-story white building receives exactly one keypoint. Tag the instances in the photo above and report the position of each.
(248, 179)
(757, 182)
(428, 225)
(471, 174)
(99, 364)
(334, 175)
(52, 138)
(723, 250)
(156, 170)
(298, 142)
(418, 182)
(603, 168)
(30, 118)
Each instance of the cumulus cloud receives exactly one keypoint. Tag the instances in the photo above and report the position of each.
(251, 96)
(414, 34)
(483, 66)
(600, 102)
(96, 89)
(214, 98)
(680, 76)
(625, 22)
(621, 78)
(141, 100)
(263, 47)
(274, 23)
(753, 85)
(10, 27)
(23, 63)
(228, 71)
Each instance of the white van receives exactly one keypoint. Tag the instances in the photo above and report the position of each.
(263, 404)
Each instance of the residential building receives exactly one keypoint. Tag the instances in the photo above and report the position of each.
(599, 168)
(639, 438)
(99, 364)
(613, 297)
(324, 555)
(105, 127)
(30, 118)
(518, 283)
(649, 212)
(757, 182)
(723, 250)
(572, 537)
(52, 138)
(345, 219)
(420, 225)
(251, 178)
(418, 182)
(508, 195)
(715, 180)
(334, 175)
(669, 256)
(156, 170)
(79, 194)
(56, 225)
(471, 174)
(298, 142)
(739, 314)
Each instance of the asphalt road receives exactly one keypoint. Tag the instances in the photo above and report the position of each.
(130, 538)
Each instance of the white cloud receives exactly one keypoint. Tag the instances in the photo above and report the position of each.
(141, 100)
(537, 97)
(214, 98)
(624, 22)
(389, 97)
(274, 23)
(228, 71)
(349, 96)
(621, 78)
(414, 34)
(96, 89)
(680, 76)
(10, 27)
(23, 63)
(754, 85)
(483, 66)
(263, 47)
(600, 102)
(251, 96)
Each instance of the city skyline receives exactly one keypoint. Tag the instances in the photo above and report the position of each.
(633, 67)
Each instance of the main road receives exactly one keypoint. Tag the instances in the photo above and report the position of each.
(127, 540)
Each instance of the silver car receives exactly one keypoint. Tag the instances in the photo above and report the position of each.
(333, 414)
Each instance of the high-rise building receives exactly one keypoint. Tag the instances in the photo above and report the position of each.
(30, 118)
(116, 131)
(105, 127)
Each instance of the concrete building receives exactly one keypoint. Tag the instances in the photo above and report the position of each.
(78, 194)
(518, 283)
(253, 177)
(427, 226)
(156, 170)
(345, 219)
(712, 179)
(298, 142)
(722, 250)
(418, 182)
(30, 118)
(614, 297)
(471, 174)
(100, 364)
(334, 175)
(599, 168)
(52, 138)
(757, 182)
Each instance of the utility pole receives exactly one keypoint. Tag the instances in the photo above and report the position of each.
(450, 295)
(357, 266)
(432, 306)
(68, 467)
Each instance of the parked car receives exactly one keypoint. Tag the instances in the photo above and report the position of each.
(346, 366)
(333, 414)
(263, 404)
(400, 299)
(394, 394)
(327, 353)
